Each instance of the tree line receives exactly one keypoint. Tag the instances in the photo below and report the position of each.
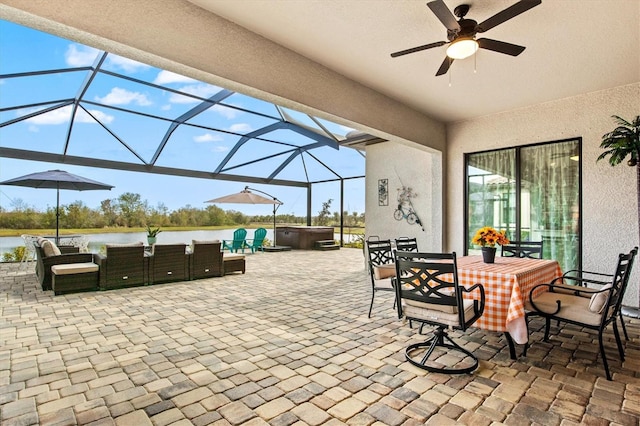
(129, 210)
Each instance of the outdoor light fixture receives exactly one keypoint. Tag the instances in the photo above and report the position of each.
(462, 48)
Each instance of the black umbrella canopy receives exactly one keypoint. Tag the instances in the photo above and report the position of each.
(57, 179)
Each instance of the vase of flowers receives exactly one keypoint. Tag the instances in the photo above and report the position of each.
(487, 238)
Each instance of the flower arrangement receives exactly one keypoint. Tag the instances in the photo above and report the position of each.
(489, 237)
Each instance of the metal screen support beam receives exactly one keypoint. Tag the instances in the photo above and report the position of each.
(308, 204)
(341, 212)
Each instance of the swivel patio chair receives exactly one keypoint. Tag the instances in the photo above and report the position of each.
(381, 267)
(205, 260)
(48, 255)
(168, 262)
(530, 249)
(427, 291)
(591, 308)
(406, 244)
(239, 241)
(257, 243)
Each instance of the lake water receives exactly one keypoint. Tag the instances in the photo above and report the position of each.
(96, 241)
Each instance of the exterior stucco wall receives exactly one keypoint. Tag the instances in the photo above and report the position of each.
(609, 200)
(413, 167)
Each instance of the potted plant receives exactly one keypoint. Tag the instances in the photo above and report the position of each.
(487, 237)
(152, 233)
(624, 141)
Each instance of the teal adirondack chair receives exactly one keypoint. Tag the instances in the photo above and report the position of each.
(258, 240)
(238, 242)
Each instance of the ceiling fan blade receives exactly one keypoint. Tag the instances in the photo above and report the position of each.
(445, 66)
(418, 49)
(500, 46)
(443, 13)
(510, 12)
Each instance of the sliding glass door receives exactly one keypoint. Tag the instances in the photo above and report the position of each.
(532, 192)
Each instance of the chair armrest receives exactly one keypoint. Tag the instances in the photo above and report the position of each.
(478, 309)
(69, 249)
(67, 258)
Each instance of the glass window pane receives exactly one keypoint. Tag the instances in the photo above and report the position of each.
(492, 187)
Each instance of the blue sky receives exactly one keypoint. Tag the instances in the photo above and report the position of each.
(190, 147)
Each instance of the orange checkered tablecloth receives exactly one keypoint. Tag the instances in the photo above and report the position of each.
(507, 284)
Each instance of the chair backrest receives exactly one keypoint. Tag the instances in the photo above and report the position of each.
(206, 259)
(406, 244)
(258, 237)
(379, 252)
(530, 249)
(239, 236)
(431, 280)
(619, 284)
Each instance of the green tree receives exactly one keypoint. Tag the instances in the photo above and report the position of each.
(132, 209)
(325, 213)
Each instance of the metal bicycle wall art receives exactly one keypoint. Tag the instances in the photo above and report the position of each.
(405, 208)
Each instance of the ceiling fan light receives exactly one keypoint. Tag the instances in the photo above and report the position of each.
(461, 49)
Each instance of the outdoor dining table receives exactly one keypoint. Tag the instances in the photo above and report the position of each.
(507, 284)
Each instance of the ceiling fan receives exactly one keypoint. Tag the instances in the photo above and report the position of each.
(462, 33)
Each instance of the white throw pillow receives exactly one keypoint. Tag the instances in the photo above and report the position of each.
(599, 300)
(49, 248)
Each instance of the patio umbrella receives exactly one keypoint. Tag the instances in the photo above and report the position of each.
(57, 179)
(247, 197)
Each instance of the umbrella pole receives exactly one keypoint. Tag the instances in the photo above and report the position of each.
(274, 225)
(57, 213)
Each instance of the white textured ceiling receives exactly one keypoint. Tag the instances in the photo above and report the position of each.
(572, 47)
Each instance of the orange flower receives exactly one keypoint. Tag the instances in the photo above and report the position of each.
(489, 237)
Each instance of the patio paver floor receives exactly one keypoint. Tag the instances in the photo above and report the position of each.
(287, 343)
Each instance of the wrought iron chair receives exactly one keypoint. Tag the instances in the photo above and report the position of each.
(530, 249)
(381, 267)
(586, 307)
(258, 240)
(406, 244)
(205, 259)
(238, 243)
(427, 291)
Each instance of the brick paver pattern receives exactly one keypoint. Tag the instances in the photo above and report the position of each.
(289, 342)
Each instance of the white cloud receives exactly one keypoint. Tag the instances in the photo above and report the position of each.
(166, 107)
(83, 117)
(128, 65)
(240, 128)
(224, 111)
(119, 96)
(208, 137)
(166, 77)
(33, 129)
(220, 148)
(80, 56)
(202, 90)
(63, 115)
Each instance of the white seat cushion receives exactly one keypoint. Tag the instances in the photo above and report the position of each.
(233, 256)
(74, 268)
(381, 272)
(573, 308)
(431, 312)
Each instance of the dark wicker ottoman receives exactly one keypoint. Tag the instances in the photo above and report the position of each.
(233, 262)
(74, 277)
